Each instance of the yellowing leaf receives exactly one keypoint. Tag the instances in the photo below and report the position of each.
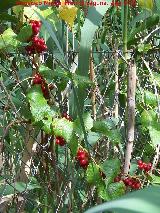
(68, 14)
(62, 2)
(146, 4)
(30, 12)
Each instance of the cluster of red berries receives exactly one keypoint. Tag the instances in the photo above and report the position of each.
(60, 141)
(38, 79)
(144, 166)
(83, 158)
(66, 116)
(132, 182)
(38, 45)
(129, 181)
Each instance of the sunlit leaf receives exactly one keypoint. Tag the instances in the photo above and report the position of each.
(68, 14)
(142, 201)
(146, 4)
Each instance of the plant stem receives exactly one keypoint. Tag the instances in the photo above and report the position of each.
(131, 115)
(116, 81)
(130, 94)
(125, 27)
(93, 90)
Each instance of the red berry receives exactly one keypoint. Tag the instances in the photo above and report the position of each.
(81, 156)
(84, 163)
(148, 167)
(37, 79)
(43, 87)
(38, 50)
(80, 151)
(35, 29)
(30, 49)
(57, 140)
(38, 23)
(140, 166)
(33, 24)
(117, 179)
(60, 141)
(139, 162)
(41, 41)
(86, 153)
(65, 115)
(35, 39)
(137, 185)
(126, 181)
(145, 167)
(44, 47)
(45, 90)
(130, 183)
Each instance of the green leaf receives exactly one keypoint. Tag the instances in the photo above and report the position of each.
(101, 127)
(20, 187)
(40, 110)
(154, 135)
(102, 191)
(108, 128)
(93, 174)
(88, 123)
(47, 12)
(52, 74)
(140, 17)
(144, 47)
(73, 144)
(156, 77)
(150, 98)
(142, 201)
(149, 22)
(111, 169)
(157, 4)
(114, 136)
(105, 125)
(5, 16)
(82, 81)
(25, 33)
(155, 179)
(8, 39)
(116, 190)
(64, 128)
(93, 137)
(133, 168)
(21, 105)
(17, 187)
(148, 118)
